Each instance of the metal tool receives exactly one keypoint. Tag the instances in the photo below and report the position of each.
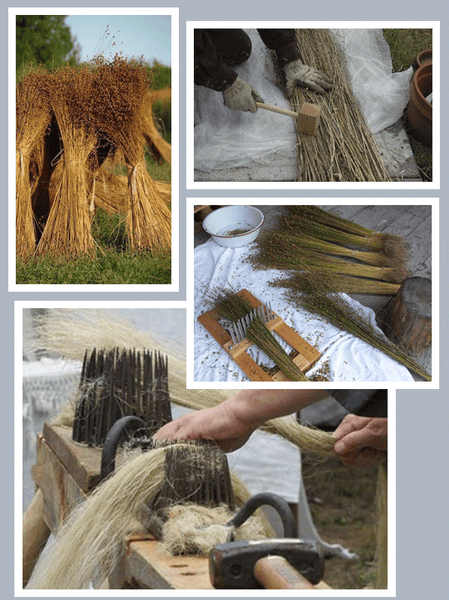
(275, 563)
(196, 472)
(122, 429)
(237, 330)
(282, 562)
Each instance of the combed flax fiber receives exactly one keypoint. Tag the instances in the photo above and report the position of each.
(92, 540)
(70, 332)
(32, 119)
(343, 148)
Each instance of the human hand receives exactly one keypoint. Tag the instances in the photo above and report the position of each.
(241, 96)
(217, 423)
(361, 441)
(301, 75)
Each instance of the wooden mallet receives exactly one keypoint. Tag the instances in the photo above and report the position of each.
(307, 119)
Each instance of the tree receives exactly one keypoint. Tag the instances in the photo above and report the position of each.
(44, 40)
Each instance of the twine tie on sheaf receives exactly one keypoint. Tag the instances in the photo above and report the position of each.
(132, 175)
(92, 201)
(21, 161)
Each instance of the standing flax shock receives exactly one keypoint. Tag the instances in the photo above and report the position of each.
(68, 228)
(343, 148)
(32, 119)
(120, 89)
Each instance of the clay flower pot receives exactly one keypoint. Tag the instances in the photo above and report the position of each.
(419, 109)
(424, 58)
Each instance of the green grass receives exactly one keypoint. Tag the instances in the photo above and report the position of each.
(405, 45)
(110, 268)
(114, 263)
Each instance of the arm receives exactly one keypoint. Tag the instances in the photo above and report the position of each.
(297, 74)
(211, 71)
(361, 441)
(230, 423)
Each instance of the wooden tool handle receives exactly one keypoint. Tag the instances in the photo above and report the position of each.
(281, 111)
(276, 573)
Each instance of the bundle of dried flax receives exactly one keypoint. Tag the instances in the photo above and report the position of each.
(32, 119)
(68, 228)
(120, 89)
(343, 148)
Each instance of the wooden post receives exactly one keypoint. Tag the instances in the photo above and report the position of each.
(35, 534)
(409, 317)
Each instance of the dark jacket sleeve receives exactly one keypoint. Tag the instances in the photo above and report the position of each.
(365, 403)
(283, 41)
(209, 68)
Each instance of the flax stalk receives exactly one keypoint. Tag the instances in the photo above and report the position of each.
(343, 149)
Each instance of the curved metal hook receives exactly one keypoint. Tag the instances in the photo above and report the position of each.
(267, 498)
(122, 428)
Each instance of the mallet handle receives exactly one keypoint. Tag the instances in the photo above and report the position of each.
(276, 573)
(276, 109)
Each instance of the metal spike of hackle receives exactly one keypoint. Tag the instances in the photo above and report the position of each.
(238, 330)
(195, 472)
(118, 383)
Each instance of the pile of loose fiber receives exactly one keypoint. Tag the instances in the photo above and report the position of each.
(343, 148)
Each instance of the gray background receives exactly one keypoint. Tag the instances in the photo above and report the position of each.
(422, 416)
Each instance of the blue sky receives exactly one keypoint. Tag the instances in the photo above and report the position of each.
(132, 35)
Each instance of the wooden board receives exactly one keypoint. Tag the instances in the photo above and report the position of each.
(60, 490)
(151, 568)
(82, 462)
(307, 354)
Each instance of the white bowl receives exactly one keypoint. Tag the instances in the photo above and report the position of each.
(233, 226)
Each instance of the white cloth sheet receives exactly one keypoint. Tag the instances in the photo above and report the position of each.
(227, 139)
(344, 357)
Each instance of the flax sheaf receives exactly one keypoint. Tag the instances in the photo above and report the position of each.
(68, 228)
(32, 119)
(119, 92)
(343, 148)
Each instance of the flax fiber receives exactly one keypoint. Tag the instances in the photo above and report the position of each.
(343, 148)
(92, 540)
